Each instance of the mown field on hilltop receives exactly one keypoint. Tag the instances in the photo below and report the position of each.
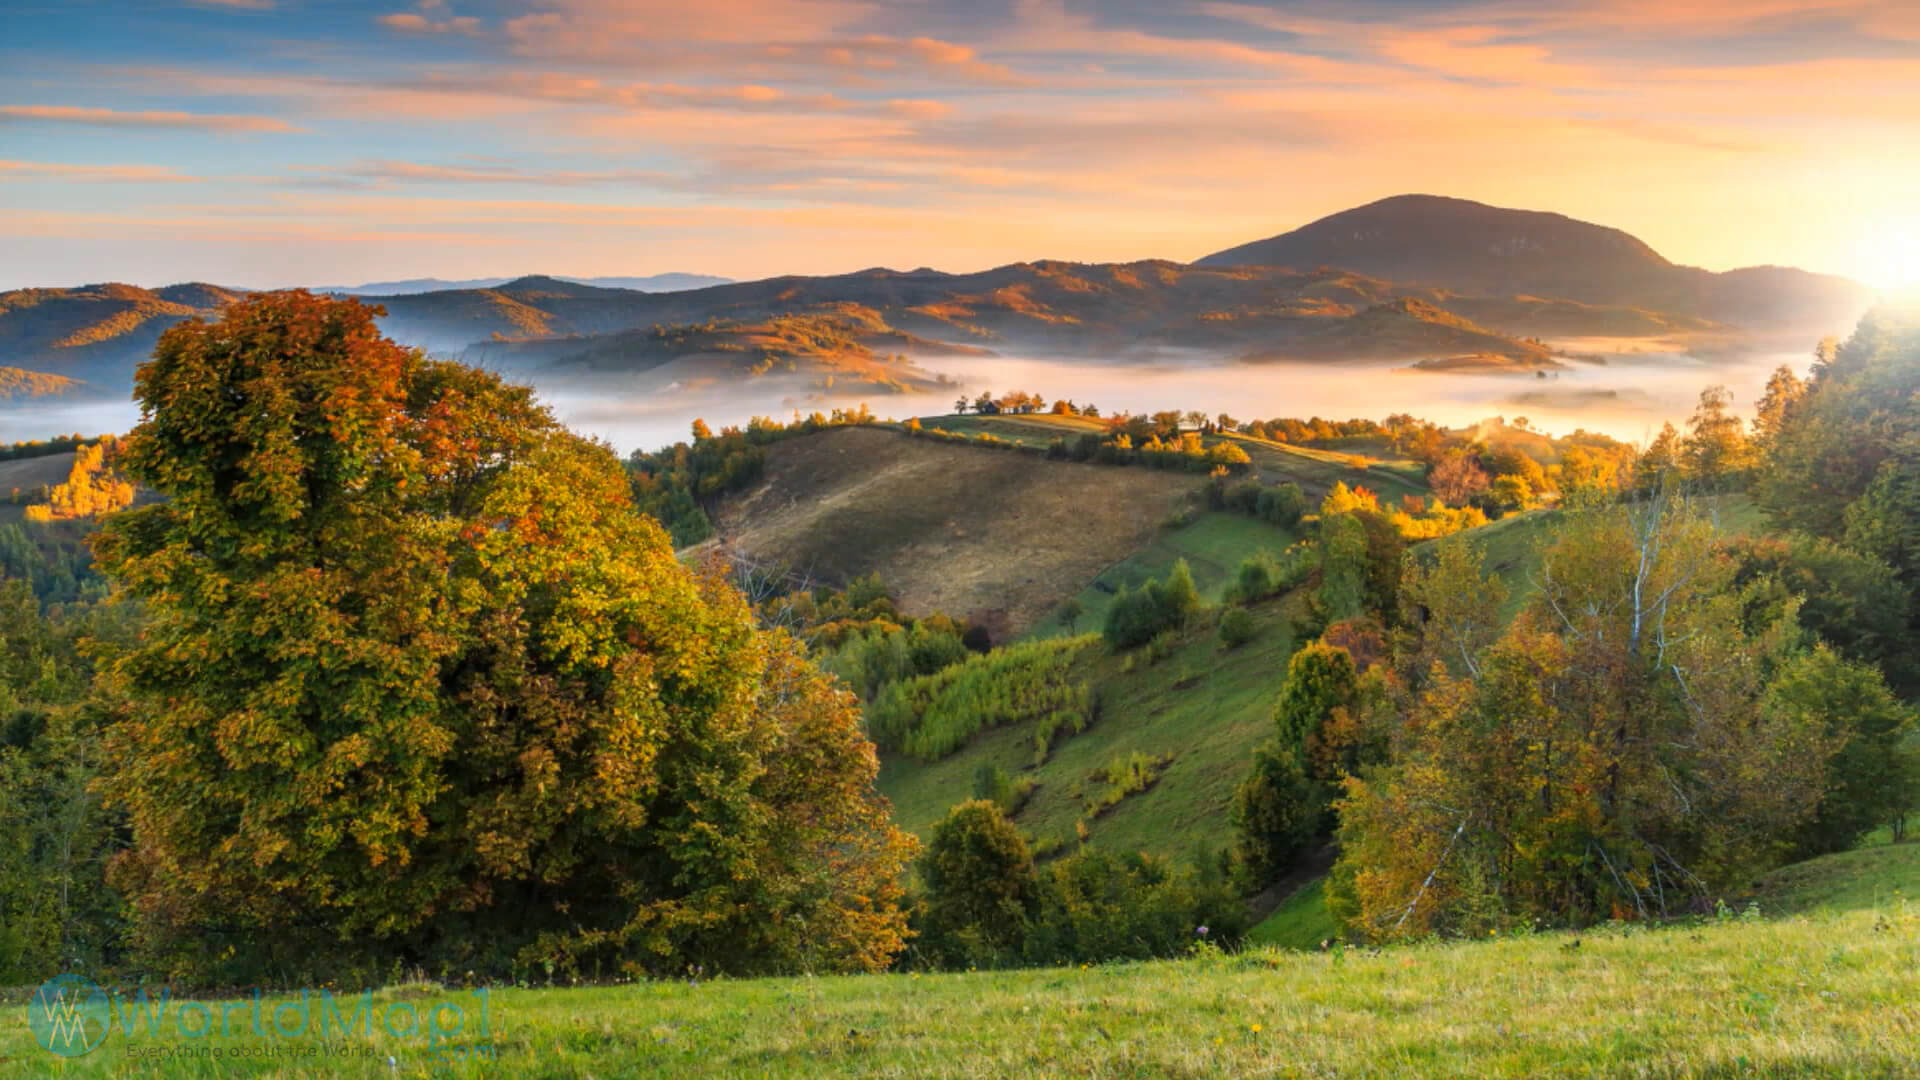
(1825, 994)
(996, 537)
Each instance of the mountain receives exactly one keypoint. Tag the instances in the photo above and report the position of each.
(653, 283)
(96, 334)
(1445, 283)
(1469, 247)
(1110, 310)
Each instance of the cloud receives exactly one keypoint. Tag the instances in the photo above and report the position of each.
(431, 17)
(133, 174)
(387, 173)
(114, 118)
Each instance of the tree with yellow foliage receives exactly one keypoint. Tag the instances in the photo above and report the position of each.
(421, 686)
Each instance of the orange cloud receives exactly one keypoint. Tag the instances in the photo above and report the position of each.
(68, 114)
(133, 174)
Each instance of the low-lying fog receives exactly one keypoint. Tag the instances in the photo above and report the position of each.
(1628, 397)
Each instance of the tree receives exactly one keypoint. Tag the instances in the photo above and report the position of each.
(701, 430)
(1612, 754)
(1715, 453)
(1783, 393)
(1277, 811)
(420, 683)
(1874, 778)
(1590, 477)
(1344, 500)
(980, 882)
(1512, 493)
(1456, 607)
(1282, 505)
(1320, 679)
(1660, 460)
(1070, 612)
(1237, 628)
(1343, 568)
(1178, 596)
(1457, 477)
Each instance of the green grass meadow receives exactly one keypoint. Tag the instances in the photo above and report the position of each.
(1830, 992)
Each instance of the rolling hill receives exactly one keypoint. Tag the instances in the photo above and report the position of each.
(1472, 248)
(20, 383)
(96, 334)
(1107, 310)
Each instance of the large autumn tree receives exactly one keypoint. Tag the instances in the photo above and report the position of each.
(421, 686)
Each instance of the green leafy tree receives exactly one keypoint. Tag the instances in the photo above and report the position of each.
(1277, 811)
(1874, 778)
(980, 883)
(1616, 752)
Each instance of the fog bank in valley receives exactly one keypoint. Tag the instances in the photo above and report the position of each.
(1629, 396)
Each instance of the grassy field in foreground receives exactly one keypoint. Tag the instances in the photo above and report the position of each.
(1822, 996)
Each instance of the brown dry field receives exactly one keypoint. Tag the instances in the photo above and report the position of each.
(28, 474)
(994, 536)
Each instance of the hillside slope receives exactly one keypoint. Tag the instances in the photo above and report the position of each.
(996, 537)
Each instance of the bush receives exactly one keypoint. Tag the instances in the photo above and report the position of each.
(874, 658)
(1097, 906)
(1237, 627)
(991, 783)
(1137, 617)
(1282, 505)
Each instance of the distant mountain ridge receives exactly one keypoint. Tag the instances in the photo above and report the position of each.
(1471, 247)
(650, 283)
(1413, 278)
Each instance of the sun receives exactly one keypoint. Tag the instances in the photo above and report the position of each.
(1890, 255)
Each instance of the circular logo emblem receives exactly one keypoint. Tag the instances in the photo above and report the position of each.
(69, 1015)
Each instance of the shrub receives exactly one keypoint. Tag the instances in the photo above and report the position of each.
(1237, 627)
(1098, 906)
(991, 783)
(1281, 505)
(1138, 616)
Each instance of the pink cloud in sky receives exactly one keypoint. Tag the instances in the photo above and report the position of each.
(156, 118)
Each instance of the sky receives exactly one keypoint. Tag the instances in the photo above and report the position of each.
(264, 143)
